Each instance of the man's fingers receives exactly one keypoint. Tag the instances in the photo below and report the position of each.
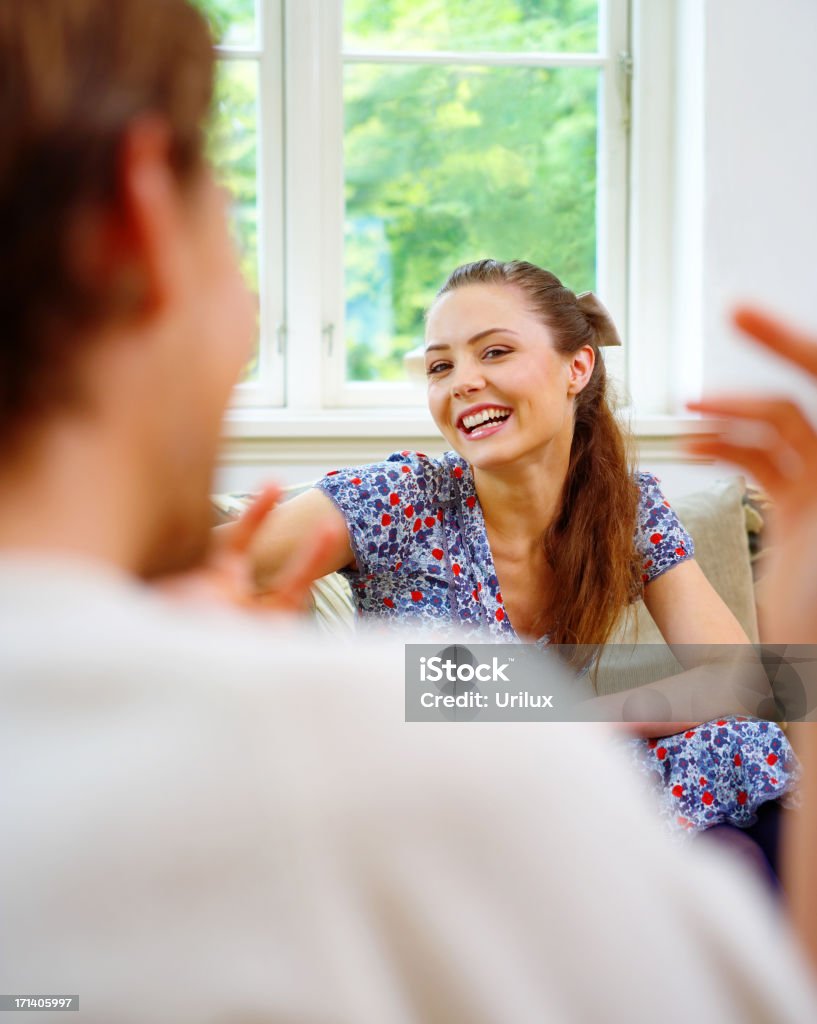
(787, 342)
(781, 415)
(761, 463)
(290, 587)
(245, 528)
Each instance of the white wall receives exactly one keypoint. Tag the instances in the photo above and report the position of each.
(757, 206)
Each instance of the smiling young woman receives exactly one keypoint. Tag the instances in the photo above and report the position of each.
(525, 529)
(535, 526)
(525, 403)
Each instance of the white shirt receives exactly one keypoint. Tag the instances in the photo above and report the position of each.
(207, 819)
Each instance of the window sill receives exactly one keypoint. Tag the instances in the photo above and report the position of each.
(260, 424)
(399, 424)
(301, 445)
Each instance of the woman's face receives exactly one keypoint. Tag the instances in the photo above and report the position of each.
(498, 390)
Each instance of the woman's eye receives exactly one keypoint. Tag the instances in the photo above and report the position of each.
(436, 368)
(493, 353)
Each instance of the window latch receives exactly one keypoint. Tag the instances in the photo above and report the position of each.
(625, 80)
(280, 338)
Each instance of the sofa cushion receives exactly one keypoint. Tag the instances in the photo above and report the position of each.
(717, 521)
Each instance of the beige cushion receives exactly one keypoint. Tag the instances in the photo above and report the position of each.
(716, 519)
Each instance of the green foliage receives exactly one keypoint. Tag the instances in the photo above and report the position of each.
(232, 22)
(443, 164)
(449, 164)
(498, 25)
(233, 146)
(456, 164)
(233, 132)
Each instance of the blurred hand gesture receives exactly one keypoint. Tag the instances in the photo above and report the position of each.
(227, 576)
(781, 454)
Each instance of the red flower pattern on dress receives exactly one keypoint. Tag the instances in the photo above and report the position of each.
(396, 553)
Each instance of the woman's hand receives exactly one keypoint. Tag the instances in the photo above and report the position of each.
(227, 576)
(781, 454)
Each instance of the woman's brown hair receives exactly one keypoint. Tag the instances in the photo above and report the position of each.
(74, 76)
(590, 544)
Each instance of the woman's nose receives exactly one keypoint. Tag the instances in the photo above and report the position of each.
(467, 381)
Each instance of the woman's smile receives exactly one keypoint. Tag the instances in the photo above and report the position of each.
(483, 420)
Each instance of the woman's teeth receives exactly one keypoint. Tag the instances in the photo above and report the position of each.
(478, 419)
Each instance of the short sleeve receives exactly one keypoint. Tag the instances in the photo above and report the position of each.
(660, 538)
(385, 505)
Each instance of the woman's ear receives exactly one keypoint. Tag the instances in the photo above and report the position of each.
(580, 369)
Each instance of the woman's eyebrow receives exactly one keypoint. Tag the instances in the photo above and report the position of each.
(476, 337)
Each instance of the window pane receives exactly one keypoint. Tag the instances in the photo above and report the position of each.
(232, 22)
(234, 152)
(446, 165)
(487, 25)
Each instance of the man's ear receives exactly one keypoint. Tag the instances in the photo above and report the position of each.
(580, 369)
(149, 215)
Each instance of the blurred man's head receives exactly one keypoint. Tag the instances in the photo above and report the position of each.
(120, 298)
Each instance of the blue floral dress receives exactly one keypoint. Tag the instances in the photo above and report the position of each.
(422, 557)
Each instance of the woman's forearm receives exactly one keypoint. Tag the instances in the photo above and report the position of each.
(736, 685)
(800, 843)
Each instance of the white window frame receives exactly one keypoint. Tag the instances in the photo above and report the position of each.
(267, 390)
(302, 392)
